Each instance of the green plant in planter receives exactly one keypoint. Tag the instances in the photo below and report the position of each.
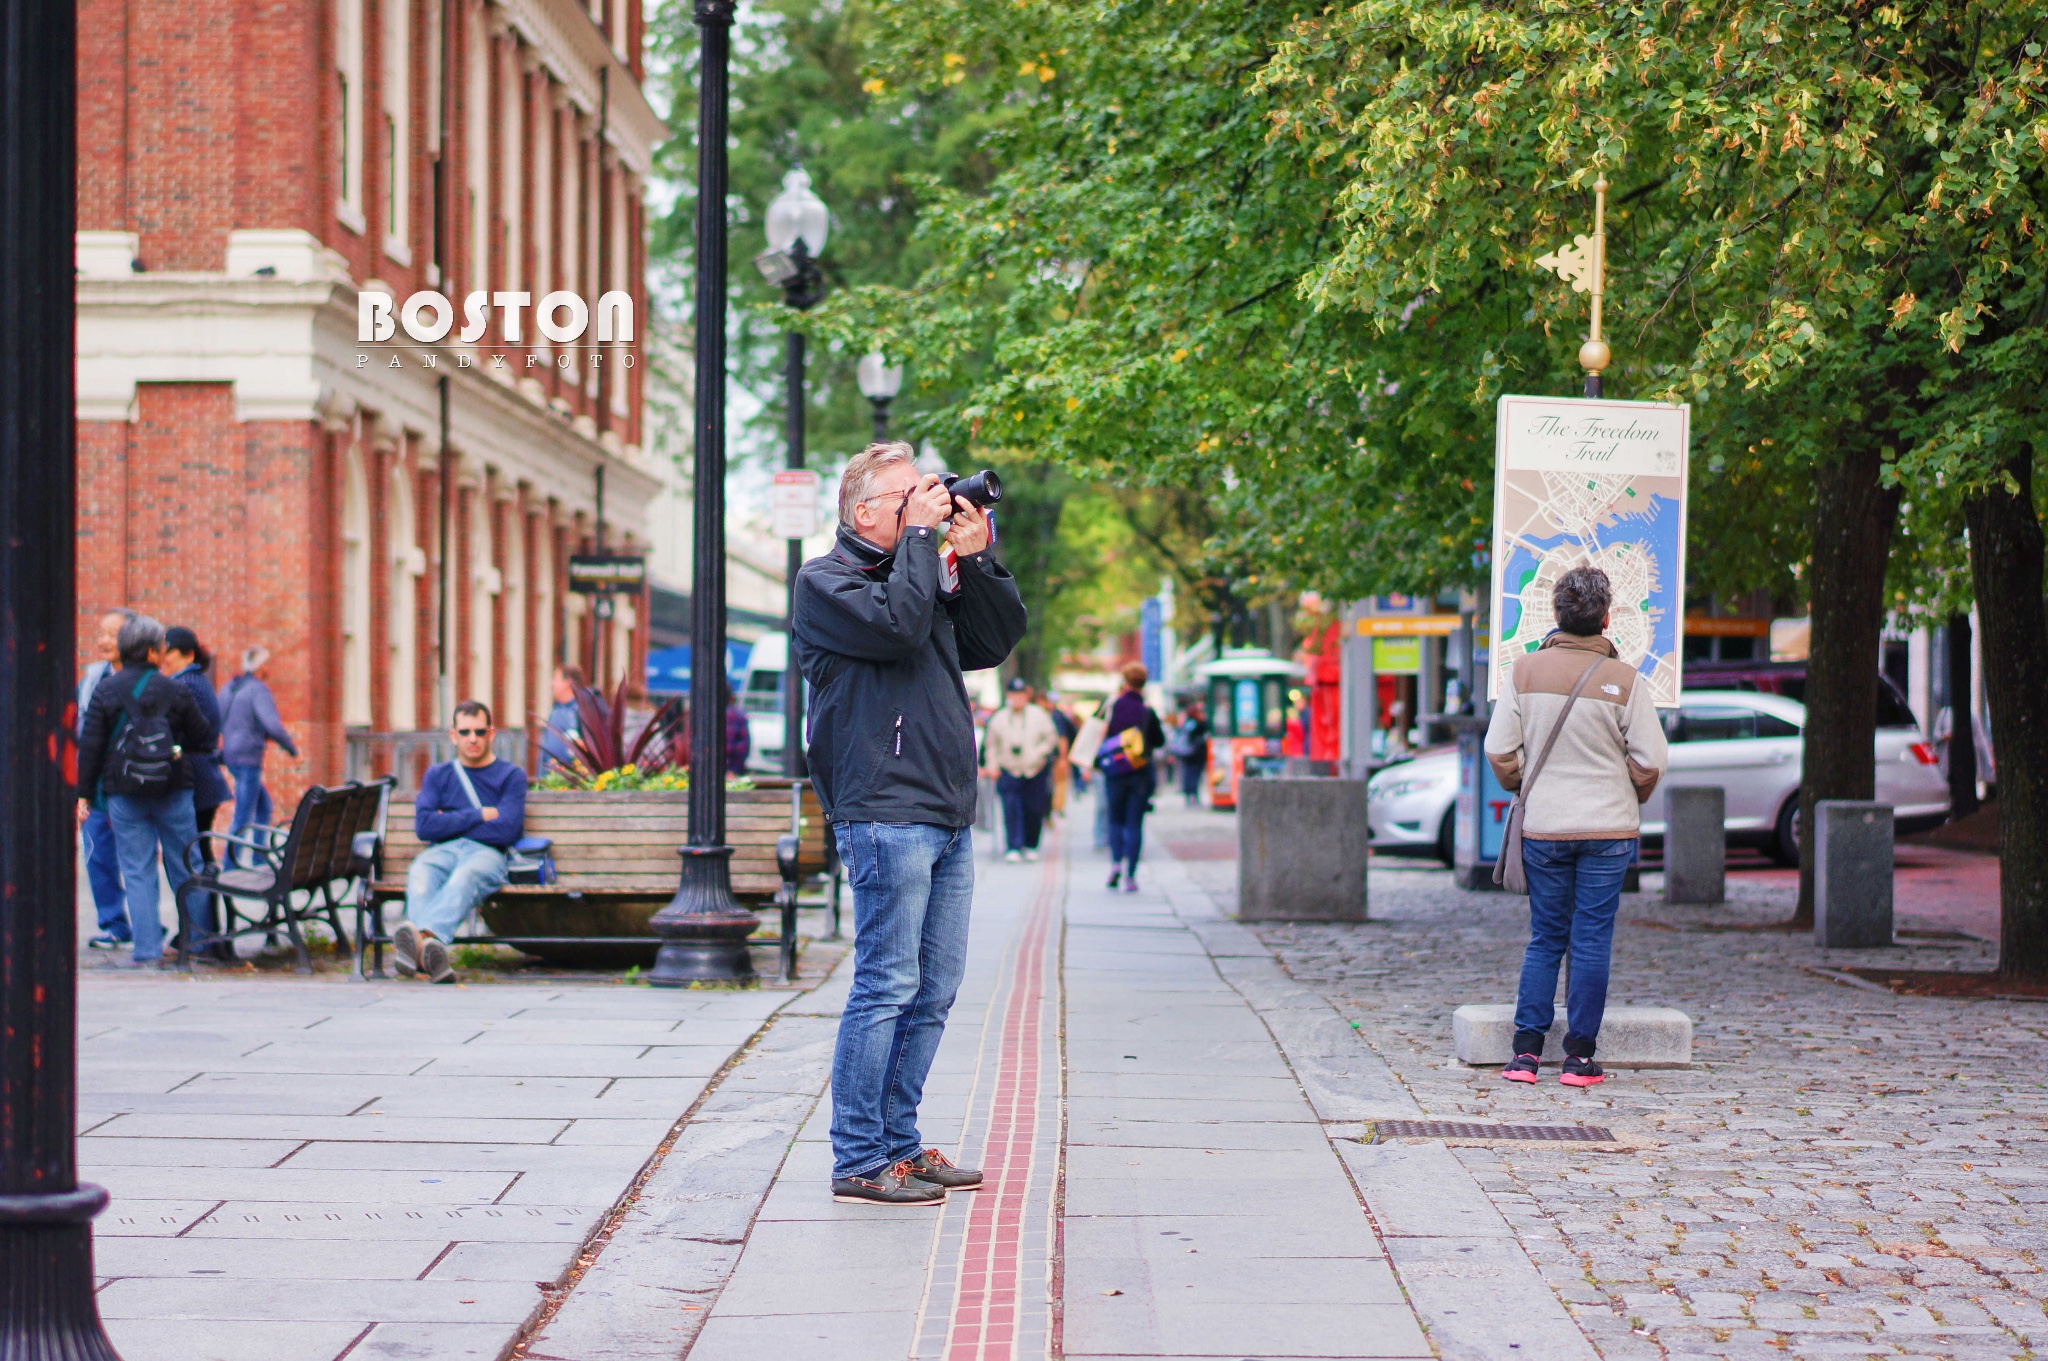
(602, 757)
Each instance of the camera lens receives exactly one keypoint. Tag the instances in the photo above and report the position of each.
(983, 489)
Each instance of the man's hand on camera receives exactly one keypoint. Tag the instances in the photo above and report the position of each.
(969, 533)
(930, 504)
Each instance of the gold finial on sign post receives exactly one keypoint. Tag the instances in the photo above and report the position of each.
(1583, 265)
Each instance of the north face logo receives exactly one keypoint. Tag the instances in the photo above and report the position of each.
(1610, 689)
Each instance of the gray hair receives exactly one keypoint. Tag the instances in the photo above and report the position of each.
(140, 635)
(857, 483)
(1580, 601)
(253, 657)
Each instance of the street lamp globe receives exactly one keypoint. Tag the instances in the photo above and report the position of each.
(880, 380)
(797, 214)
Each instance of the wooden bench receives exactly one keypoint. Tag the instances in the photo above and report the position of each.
(616, 865)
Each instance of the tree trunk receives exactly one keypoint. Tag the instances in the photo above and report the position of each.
(1853, 518)
(2006, 563)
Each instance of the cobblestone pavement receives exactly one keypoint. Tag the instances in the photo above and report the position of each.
(1842, 1172)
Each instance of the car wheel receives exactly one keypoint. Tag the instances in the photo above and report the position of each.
(1447, 837)
(1784, 847)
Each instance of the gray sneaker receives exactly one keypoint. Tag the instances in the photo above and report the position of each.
(890, 1186)
(405, 949)
(434, 961)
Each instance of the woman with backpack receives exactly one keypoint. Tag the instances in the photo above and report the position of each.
(130, 761)
(1125, 759)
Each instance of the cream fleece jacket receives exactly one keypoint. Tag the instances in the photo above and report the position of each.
(1609, 757)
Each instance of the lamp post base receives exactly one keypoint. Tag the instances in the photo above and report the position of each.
(704, 929)
(47, 1308)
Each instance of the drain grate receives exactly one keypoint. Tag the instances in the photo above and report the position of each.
(1470, 1129)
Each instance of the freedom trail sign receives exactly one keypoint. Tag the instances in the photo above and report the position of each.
(1583, 482)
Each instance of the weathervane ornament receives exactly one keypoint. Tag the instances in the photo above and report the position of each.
(1583, 265)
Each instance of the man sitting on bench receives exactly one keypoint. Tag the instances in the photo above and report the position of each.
(470, 813)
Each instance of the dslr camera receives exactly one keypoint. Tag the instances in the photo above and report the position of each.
(982, 490)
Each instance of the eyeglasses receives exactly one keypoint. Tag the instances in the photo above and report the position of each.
(472, 732)
(902, 498)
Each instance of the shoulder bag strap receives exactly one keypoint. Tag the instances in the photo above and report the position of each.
(1529, 783)
(478, 803)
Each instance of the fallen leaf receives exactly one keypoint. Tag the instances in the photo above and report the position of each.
(1112, 1292)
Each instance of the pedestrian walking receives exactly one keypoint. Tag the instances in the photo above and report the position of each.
(1576, 734)
(739, 737)
(1062, 764)
(249, 723)
(564, 724)
(130, 762)
(102, 857)
(1125, 760)
(1018, 753)
(188, 663)
(1190, 748)
(884, 624)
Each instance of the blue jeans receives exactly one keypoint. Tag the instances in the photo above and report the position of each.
(141, 826)
(1026, 801)
(1127, 797)
(252, 805)
(103, 872)
(913, 887)
(446, 882)
(1574, 892)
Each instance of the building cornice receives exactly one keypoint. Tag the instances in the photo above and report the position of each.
(574, 51)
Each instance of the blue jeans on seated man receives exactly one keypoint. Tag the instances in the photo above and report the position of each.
(141, 826)
(446, 882)
(103, 872)
(913, 887)
(1574, 892)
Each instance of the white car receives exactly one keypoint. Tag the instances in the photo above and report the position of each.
(1744, 741)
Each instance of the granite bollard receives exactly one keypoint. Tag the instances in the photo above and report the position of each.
(1301, 850)
(1696, 844)
(1852, 874)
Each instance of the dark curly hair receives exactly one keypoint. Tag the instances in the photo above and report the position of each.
(1580, 601)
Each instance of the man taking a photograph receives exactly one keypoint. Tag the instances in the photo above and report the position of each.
(884, 624)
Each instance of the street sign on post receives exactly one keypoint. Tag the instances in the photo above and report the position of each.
(793, 504)
(606, 573)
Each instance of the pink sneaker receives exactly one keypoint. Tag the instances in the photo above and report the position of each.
(1523, 1069)
(1580, 1072)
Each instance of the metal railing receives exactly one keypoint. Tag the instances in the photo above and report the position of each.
(406, 755)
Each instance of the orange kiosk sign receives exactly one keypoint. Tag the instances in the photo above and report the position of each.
(1247, 718)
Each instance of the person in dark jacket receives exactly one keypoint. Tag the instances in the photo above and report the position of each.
(563, 722)
(149, 804)
(739, 738)
(187, 663)
(883, 626)
(102, 857)
(470, 812)
(249, 723)
(1190, 748)
(1128, 793)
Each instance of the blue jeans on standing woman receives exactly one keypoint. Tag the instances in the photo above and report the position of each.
(913, 887)
(103, 872)
(252, 805)
(141, 827)
(1574, 892)
(1127, 796)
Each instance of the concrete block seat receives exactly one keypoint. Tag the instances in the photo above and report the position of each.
(1483, 1034)
(616, 866)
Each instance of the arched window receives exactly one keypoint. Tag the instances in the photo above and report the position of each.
(355, 591)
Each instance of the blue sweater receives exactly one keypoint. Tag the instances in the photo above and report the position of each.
(444, 812)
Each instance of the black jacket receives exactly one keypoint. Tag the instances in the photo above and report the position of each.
(891, 731)
(189, 728)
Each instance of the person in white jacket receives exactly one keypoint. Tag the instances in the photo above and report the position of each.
(1018, 752)
(1580, 822)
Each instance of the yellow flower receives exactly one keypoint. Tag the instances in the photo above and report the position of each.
(1179, 355)
(874, 85)
(1073, 403)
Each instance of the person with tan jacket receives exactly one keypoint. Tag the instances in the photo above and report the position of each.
(1018, 752)
(1580, 821)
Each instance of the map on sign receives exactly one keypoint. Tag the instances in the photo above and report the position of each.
(1585, 482)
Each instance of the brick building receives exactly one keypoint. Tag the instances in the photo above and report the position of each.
(391, 520)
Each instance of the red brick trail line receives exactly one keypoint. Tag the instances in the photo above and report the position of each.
(984, 1323)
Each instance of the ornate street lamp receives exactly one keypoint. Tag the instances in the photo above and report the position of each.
(798, 223)
(704, 929)
(47, 1307)
(880, 381)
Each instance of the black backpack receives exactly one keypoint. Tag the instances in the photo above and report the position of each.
(142, 759)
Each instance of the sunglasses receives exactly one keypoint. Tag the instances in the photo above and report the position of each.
(471, 732)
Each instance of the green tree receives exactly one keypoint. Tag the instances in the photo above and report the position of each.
(1830, 232)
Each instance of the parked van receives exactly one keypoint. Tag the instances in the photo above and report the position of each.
(761, 698)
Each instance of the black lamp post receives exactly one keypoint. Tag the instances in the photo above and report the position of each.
(47, 1309)
(798, 224)
(704, 929)
(880, 381)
